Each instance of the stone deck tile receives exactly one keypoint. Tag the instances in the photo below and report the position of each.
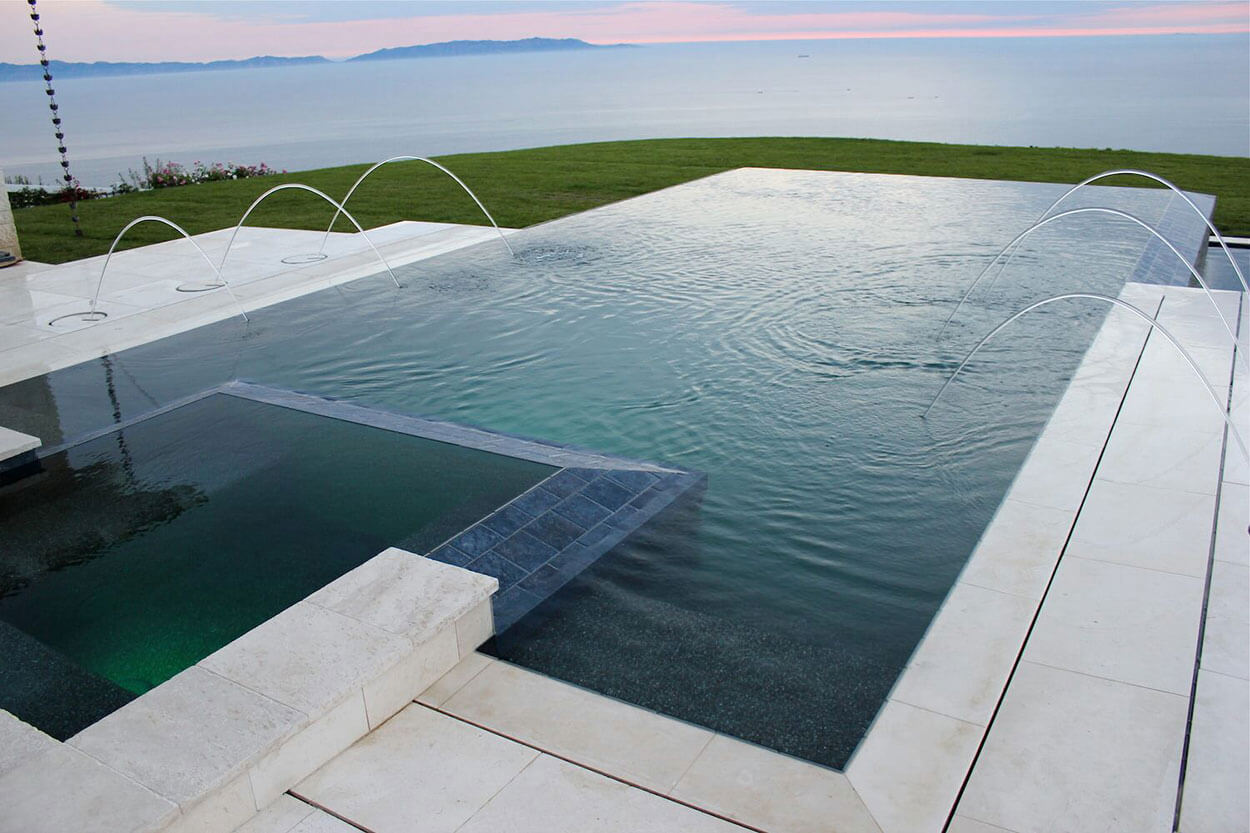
(629, 742)
(1216, 798)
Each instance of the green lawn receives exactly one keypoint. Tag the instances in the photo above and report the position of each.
(524, 187)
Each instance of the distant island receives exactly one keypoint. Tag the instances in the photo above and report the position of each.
(73, 69)
(482, 47)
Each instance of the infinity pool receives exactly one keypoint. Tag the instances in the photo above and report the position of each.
(774, 329)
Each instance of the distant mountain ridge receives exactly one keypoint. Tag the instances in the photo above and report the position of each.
(74, 69)
(482, 47)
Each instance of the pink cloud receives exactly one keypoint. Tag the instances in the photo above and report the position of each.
(1168, 14)
(94, 30)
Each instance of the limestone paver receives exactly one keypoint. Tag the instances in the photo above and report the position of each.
(455, 679)
(279, 817)
(1073, 752)
(1162, 457)
(1055, 473)
(290, 815)
(1159, 529)
(961, 666)
(552, 796)
(140, 286)
(1018, 550)
(963, 824)
(61, 789)
(401, 593)
(1226, 640)
(1122, 623)
(188, 736)
(630, 742)
(19, 741)
(1232, 540)
(420, 770)
(308, 657)
(1215, 799)
(761, 788)
(909, 767)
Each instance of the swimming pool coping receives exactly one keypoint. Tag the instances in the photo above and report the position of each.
(952, 688)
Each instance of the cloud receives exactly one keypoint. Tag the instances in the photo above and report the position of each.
(173, 30)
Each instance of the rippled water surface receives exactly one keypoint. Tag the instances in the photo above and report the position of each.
(776, 330)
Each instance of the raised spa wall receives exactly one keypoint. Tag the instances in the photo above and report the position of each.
(203, 751)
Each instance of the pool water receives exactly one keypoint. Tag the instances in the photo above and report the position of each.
(1219, 273)
(777, 330)
(136, 554)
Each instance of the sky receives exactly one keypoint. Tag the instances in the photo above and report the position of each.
(205, 30)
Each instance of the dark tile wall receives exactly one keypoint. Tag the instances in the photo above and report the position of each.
(543, 538)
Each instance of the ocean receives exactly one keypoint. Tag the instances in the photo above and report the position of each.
(1182, 93)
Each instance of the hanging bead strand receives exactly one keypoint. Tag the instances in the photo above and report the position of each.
(70, 185)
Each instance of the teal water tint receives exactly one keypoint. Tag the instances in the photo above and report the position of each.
(137, 554)
(777, 330)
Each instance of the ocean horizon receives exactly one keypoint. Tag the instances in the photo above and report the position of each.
(1174, 93)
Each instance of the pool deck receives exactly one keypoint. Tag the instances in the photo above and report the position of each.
(1089, 669)
(139, 290)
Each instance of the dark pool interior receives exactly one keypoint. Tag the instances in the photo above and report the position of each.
(775, 330)
(132, 556)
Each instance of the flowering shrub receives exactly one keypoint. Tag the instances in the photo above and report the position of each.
(27, 196)
(160, 175)
(171, 174)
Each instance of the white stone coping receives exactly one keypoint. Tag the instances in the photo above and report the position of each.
(15, 443)
(19, 742)
(209, 747)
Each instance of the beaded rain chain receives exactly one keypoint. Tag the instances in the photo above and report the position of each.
(56, 118)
